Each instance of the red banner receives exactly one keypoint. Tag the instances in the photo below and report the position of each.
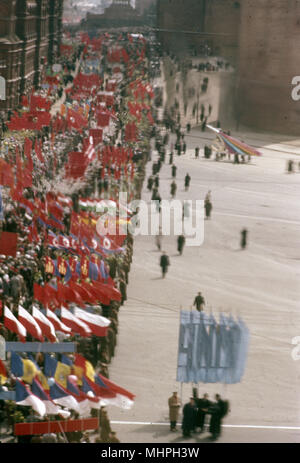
(46, 427)
(8, 244)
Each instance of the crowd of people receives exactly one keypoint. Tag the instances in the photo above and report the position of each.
(28, 268)
(197, 414)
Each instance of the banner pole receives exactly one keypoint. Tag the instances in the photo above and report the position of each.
(62, 431)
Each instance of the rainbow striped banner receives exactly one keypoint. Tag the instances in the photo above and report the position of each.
(235, 146)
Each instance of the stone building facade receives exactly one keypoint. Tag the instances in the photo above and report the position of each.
(28, 41)
(268, 61)
(192, 24)
(119, 14)
(259, 37)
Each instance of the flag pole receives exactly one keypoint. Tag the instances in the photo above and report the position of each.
(181, 392)
(62, 431)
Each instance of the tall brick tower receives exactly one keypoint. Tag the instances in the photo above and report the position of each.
(268, 60)
(10, 54)
(26, 11)
(42, 39)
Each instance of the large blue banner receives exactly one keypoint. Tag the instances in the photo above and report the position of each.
(211, 351)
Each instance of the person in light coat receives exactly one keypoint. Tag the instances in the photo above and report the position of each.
(174, 406)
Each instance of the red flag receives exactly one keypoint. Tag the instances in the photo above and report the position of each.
(49, 266)
(38, 293)
(8, 244)
(38, 150)
(6, 174)
(75, 120)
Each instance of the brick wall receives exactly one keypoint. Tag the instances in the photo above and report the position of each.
(268, 60)
(184, 20)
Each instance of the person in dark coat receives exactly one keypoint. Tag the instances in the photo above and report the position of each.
(150, 183)
(207, 152)
(202, 410)
(199, 302)
(187, 181)
(244, 235)
(173, 189)
(174, 169)
(189, 418)
(218, 411)
(156, 181)
(180, 243)
(164, 264)
(208, 208)
(171, 158)
(197, 149)
(154, 194)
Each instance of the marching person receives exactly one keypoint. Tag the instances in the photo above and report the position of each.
(174, 406)
(173, 189)
(244, 235)
(180, 244)
(187, 181)
(208, 208)
(164, 264)
(199, 302)
(158, 239)
(150, 183)
(174, 169)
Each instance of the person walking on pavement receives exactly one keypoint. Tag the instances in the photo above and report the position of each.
(187, 180)
(158, 239)
(208, 208)
(174, 406)
(199, 302)
(171, 158)
(184, 147)
(244, 236)
(154, 194)
(174, 169)
(180, 244)
(173, 189)
(197, 150)
(156, 181)
(150, 183)
(164, 264)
